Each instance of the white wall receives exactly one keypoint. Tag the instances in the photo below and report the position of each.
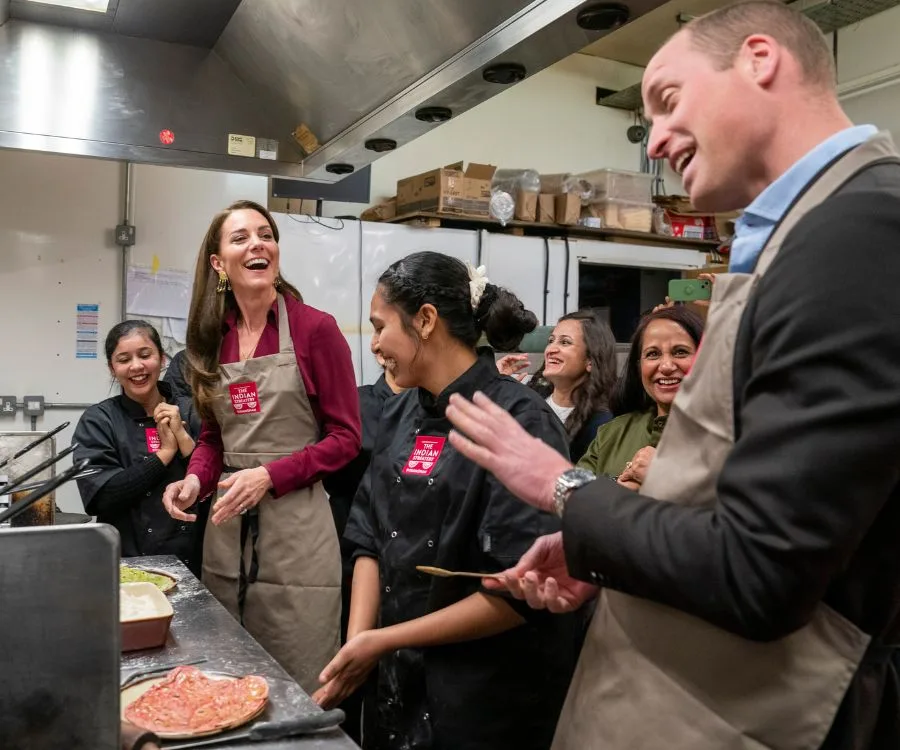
(173, 208)
(866, 52)
(56, 229)
(549, 122)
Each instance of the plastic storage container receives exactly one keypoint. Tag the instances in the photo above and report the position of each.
(145, 615)
(618, 185)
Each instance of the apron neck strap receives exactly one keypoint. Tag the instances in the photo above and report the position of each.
(285, 342)
(878, 148)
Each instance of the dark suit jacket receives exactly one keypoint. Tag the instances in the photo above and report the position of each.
(808, 503)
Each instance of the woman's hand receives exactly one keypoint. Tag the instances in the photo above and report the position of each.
(349, 669)
(168, 444)
(700, 306)
(245, 489)
(513, 364)
(181, 495)
(636, 469)
(171, 413)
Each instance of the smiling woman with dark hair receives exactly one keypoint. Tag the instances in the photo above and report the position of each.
(140, 440)
(662, 352)
(274, 382)
(578, 376)
(458, 666)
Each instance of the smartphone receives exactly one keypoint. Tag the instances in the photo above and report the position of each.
(689, 290)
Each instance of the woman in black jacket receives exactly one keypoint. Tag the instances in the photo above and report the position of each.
(140, 440)
(458, 666)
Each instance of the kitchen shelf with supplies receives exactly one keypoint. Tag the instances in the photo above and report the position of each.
(534, 229)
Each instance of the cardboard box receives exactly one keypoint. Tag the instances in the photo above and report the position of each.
(686, 222)
(692, 226)
(305, 138)
(526, 206)
(448, 190)
(381, 212)
(291, 206)
(634, 217)
(546, 209)
(568, 209)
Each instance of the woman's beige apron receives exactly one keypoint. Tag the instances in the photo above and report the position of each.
(650, 676)
(277, 568)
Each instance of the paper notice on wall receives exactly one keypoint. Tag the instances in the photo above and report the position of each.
(87, 330)
(267, 148)
(241, 145)
(163, 293)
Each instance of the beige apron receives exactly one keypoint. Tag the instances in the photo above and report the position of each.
(285, 588)
(650, 676)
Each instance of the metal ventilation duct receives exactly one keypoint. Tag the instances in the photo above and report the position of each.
(169, 81)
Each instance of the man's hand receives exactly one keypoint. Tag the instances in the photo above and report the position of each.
(542, 579)
(349, 668)
(181, 495)
(245, 488)
(636, 469)
(490, 437)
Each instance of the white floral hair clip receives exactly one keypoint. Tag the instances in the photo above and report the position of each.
(478, 281)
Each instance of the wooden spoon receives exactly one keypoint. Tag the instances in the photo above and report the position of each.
(441, 573)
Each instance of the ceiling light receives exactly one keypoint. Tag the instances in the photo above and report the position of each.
(339, 168)
(380, 145)
(434, 114)
(97, 6)
(504, 73)
(603, 16)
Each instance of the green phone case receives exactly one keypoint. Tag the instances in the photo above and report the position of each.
(689, 290)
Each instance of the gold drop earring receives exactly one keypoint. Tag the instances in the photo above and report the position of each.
(223, 284)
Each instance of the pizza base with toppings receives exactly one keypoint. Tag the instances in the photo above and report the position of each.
(189, 703)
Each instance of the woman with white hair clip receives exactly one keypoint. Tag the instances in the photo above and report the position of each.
(459, 666)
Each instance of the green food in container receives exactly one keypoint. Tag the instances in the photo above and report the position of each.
(136, 575)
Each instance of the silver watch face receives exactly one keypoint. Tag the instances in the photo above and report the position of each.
(576, 477)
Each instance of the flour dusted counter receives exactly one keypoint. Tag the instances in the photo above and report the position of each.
(203, 629)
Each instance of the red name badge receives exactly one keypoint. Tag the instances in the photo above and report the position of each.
(152, 439)
(424, 456)
(244, 398)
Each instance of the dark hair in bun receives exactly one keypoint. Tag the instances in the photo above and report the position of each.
(429, 278)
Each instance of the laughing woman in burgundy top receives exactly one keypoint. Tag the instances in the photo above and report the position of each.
(274, 383)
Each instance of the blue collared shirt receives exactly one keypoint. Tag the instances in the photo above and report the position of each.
(753, 228)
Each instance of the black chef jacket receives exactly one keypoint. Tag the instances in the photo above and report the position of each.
(113, 436)
(422, 503)
(341, 486)
(176, 374)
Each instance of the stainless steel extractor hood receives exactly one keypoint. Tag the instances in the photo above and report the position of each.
(170, 81)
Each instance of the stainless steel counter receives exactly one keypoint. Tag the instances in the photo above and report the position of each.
(202, 628)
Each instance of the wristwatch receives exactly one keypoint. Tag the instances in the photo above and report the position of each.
(567, 482)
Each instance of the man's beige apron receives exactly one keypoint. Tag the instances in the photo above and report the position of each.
(286, 591)
(650, 676)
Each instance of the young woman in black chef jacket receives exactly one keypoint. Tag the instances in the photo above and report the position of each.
(140, 440)
(458, 666)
